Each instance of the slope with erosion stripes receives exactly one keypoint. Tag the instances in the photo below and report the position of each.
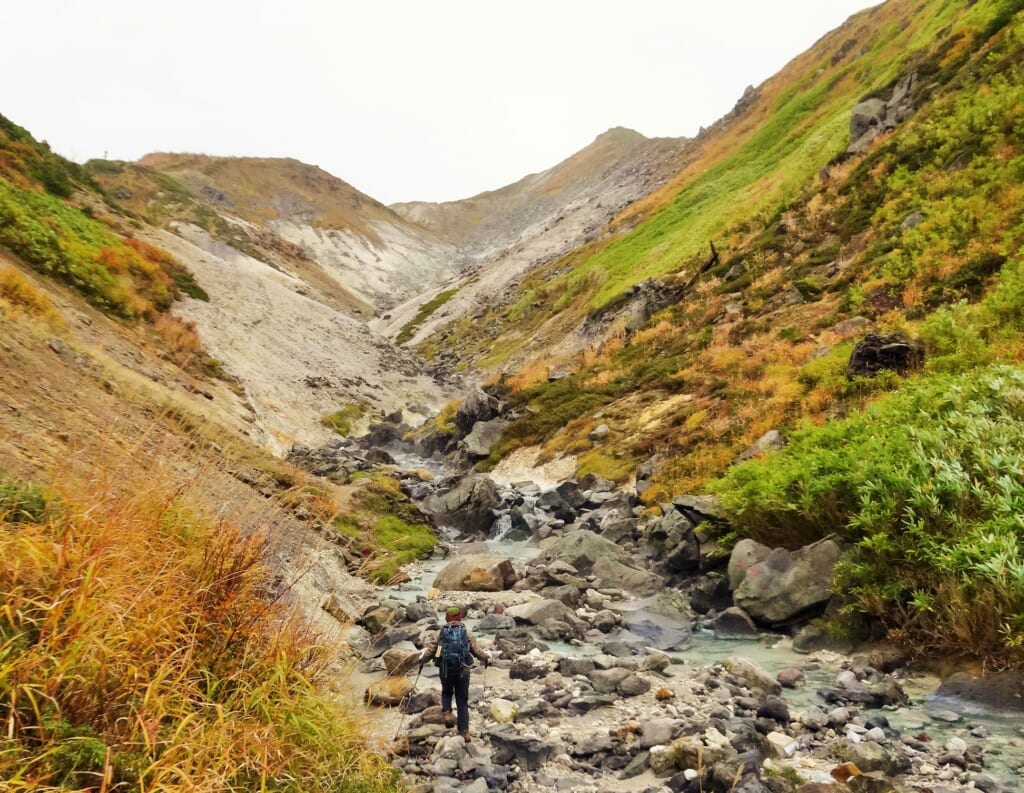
(810, 259)
(324, 225)
(297, 359)
(505, 233)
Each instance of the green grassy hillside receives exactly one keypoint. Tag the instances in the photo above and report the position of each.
(921, 235)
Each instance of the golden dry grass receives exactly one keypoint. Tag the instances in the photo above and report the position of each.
(140, 652)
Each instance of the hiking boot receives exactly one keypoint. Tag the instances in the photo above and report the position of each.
(465, 736)
(449, 718)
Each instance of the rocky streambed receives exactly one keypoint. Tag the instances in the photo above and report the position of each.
(632, 653)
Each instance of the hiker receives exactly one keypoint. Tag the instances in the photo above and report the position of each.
(452, 649)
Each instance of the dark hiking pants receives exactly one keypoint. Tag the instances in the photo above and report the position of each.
(459, 686)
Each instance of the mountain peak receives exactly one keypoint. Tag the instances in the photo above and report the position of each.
(620, 135)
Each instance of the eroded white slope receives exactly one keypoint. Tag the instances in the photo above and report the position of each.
(402, 262)
(296, 358)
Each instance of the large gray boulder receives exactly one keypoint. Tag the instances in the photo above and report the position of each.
(476, 406)
(539, 611)
(483, 436)
(582, 549)
(468, 506)
(788, 585)
(592, 554)
(476, 573)
(612, 573)
(745, 554)
(1003, 690)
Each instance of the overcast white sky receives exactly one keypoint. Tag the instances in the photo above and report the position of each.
(405, 99)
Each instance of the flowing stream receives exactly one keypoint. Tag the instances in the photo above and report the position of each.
(927, 716)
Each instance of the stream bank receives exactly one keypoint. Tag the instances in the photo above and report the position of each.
(625, 662)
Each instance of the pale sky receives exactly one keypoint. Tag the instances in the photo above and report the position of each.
(404, 99)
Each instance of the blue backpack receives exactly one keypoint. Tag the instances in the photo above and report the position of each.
(455, 653)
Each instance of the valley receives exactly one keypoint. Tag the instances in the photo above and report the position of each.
(725, 431)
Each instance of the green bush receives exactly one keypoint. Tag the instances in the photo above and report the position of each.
(340, 421)
(22, 503)
(927, 485)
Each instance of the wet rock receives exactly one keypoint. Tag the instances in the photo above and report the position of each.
(786, 585)
(752, 675)
(476, 573)
(733, 623)
(467, 506)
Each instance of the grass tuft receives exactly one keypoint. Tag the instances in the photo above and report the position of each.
(138, 652)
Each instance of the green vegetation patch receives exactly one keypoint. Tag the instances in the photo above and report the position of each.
(340, 421)
(928, 484)
(389, 528)
(21, 503)
(426, 310)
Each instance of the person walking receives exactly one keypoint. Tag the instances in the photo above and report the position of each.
(453, 649)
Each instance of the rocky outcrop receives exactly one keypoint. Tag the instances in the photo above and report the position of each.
(785, 585)
(468, 506)
(875, 116)
(874, 353)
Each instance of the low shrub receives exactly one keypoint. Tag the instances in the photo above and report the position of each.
(926, 484)
(340, 421)
(388, 527)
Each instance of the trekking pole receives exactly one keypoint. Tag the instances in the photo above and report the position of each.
(404, 704)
